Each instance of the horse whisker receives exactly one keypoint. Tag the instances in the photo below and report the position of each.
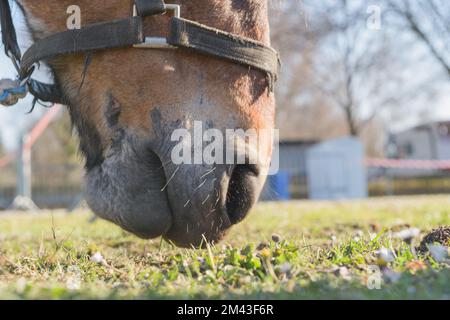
(201, 185)
(208, 173)
(171, 178)
(204, 201)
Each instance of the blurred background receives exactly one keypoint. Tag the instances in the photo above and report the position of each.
(363, 108)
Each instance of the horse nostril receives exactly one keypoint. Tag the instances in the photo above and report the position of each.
(242, 192)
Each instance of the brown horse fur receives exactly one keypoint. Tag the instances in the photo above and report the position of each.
(132, 99)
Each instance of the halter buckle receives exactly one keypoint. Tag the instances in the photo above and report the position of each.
(158, 42)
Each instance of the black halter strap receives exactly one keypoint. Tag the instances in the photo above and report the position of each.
(9, 37)
(127, 33)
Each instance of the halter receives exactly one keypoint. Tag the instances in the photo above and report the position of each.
(129, 32)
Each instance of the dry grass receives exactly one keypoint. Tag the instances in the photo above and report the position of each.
(322, 250)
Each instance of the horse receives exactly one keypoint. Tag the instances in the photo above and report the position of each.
(126, 102)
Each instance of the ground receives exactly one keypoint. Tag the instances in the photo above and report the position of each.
(292, 250)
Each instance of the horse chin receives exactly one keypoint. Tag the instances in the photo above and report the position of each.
(127, 189)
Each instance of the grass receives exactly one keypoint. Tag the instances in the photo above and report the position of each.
(321, 250)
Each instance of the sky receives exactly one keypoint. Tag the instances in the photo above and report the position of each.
(14, 120)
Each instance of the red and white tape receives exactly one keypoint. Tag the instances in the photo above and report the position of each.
(408, 164)
(34, 134)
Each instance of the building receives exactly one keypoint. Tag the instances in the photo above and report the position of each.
(424, 142)
(292, 163)
(336, 170)
(332, 169)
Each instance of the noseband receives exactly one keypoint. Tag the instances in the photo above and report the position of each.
(184, 34)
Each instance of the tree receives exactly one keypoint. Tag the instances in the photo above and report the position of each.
(355, 66)
(429, 21)
(344, 72)
(302, 113)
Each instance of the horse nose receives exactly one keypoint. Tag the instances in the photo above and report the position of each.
(207, 201)
(242, 192)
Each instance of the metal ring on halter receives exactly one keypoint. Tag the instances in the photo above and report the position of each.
(23, 77)
(158, 42)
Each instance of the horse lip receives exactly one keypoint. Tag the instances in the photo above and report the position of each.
(193, 222)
